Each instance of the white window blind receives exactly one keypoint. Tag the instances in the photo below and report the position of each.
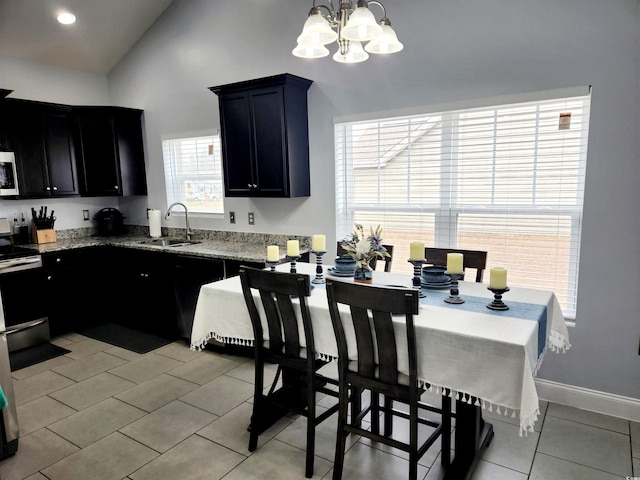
(193, 173)
(507, 179)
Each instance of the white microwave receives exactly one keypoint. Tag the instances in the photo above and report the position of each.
(8, 176)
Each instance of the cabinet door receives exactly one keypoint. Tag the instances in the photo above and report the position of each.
(42, 139)
(189, 274)
(269, 136)
(237, 156)
(60, 156)
(28, 140)
(130, 150)
(97, 156)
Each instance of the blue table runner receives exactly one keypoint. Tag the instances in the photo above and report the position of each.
(526, 311)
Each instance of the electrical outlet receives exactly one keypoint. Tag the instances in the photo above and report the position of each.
(85, 215)
(232, 217)
(251, 218)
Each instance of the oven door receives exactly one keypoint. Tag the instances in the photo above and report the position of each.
(24, 298)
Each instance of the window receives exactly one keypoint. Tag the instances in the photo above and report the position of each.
(193, 173)
(508, 179)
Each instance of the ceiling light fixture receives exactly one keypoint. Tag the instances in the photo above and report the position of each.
(66, 18)
(350, 28)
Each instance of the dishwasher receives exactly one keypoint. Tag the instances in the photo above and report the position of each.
(23, 322)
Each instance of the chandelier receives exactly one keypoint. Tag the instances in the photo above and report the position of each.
(350, 28)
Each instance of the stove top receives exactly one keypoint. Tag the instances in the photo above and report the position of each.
(13, 251)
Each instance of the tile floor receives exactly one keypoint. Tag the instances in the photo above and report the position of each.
(104, 413)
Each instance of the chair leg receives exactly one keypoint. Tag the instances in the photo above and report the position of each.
(311, 425)
(341, 437)
(375, 412)
(413, 441)
(254, 428)
(388, 417)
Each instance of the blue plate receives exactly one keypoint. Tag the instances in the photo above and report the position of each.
(337, 273)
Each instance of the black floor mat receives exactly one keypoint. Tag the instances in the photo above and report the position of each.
(36, 354)
(121, 336)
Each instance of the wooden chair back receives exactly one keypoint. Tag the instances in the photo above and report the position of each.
(276, 290)
(476, 259)
(371, 309)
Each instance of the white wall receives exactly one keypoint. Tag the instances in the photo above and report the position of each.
(463, 50)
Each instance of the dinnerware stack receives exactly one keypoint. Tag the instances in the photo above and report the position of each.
(434, 276)
(344, 267)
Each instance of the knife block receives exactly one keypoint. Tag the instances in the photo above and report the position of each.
(47, 235)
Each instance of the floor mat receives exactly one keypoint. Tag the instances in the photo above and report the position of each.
(30, 356)
(124, 337)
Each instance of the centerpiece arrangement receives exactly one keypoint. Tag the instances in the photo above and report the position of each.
(364, 248)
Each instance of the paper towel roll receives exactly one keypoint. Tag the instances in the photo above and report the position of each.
(155, 225)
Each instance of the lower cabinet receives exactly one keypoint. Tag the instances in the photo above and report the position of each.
(149, 291)
(145, 292)
(73, 289)
(189, 274)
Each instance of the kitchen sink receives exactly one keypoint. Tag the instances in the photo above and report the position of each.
(169, 242)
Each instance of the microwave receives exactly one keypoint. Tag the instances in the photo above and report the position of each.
(8, 176)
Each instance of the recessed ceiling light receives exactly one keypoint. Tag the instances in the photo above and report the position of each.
(66, 18)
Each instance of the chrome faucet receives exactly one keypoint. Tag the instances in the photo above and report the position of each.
(187, 229)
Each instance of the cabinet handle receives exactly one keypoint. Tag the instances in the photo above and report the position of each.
(49, 277)
(58, 260)
(252, 185)
(55, 189)
(116, 187)
(248, 185)
(48, 189)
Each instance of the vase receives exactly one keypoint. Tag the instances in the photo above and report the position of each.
(363, 274)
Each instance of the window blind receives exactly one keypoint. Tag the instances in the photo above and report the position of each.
(508, 179)
(193, 173)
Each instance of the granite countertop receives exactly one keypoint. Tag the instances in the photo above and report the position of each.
(231, 247)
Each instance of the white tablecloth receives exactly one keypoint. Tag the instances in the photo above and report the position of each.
(480, 354)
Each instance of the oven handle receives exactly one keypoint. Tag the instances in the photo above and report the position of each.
(22, 328)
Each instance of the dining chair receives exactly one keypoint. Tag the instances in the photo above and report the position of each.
(340, 251)
(297, 364)
(378, 355)
(476, 259)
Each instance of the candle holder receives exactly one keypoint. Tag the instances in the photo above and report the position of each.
(497, 303)
(272, 265)
(293, 259)
(319, 272)
(454, 295)
(417, 276)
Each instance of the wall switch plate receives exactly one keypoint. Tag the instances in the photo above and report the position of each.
(251, 218)
(85, 215)
(232, 217)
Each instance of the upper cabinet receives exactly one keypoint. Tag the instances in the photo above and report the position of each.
(110, 153)
(265, 137)
(41, 136)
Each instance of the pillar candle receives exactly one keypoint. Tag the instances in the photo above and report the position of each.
(454, 263)
(416, 251)
(319, 243)
(293, 248)
(273, 253)
(498, 278)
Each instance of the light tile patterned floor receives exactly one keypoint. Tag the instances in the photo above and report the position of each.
(104, 413)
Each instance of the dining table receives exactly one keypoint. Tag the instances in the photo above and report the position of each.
(486, 359)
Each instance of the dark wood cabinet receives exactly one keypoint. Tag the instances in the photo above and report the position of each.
(41, 136)
(73, 289)
(110, 151)
(265, 137)
(189, 274)
(144, 298)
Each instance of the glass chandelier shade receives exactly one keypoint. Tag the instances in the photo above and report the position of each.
(350, 28)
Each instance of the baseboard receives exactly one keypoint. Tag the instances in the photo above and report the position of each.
(592, 400)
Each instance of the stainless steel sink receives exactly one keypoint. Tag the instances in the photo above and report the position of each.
(169, 242)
